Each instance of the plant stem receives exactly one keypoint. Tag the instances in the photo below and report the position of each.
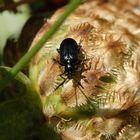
(28, 56)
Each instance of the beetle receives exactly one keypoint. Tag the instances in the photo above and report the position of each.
(70, 52)
(69, 56)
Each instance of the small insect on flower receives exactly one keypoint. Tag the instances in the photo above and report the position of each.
(71, 58)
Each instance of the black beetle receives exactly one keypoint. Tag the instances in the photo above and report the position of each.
(70, 52)
(69, 56)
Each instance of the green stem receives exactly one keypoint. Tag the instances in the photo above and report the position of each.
(28, 56)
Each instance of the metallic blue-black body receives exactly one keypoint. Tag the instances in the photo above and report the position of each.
(69, 56)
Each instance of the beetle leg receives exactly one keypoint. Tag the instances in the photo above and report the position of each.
(61, 83)
(80, 85)
(57, 61)
(64, 79)
(80, 88)
(83, 92)
(76, 97)
(78, 62)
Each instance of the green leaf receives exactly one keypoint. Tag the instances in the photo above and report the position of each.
(47, 132)
(18, 121)
(60, 109)
(80, 112)
(20, 109)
